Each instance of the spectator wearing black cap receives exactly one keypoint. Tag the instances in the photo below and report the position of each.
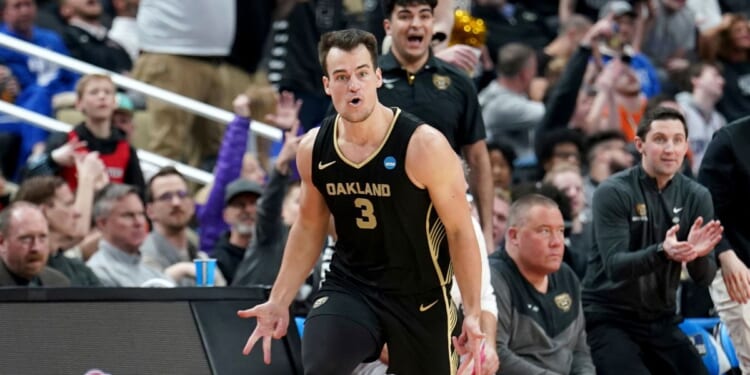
(240, 212)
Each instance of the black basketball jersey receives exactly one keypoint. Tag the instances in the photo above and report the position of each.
(389, 234)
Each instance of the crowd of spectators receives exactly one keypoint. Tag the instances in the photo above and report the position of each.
(551, 103)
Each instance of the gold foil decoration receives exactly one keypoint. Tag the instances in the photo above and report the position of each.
(468, 30)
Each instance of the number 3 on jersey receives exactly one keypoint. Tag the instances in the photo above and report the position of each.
(367, 220)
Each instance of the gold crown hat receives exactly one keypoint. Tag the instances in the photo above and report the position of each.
(468, 30)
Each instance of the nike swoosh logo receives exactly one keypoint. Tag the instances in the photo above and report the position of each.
(322, 166)
(423, 308)
(390, 80)
(677, 210)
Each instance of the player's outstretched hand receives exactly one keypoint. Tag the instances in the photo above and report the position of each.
(470, 344)
(272, 322)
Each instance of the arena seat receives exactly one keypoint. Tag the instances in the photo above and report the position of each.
(697, 329)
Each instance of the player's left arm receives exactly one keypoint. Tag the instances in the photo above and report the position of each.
(431, 163)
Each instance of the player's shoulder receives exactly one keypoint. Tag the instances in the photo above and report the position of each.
(308, 139)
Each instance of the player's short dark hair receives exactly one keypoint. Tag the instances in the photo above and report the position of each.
(389, 5)
(512, 58)
(347, 40)
(658, 114)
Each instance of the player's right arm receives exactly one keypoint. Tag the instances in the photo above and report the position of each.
(302, 250)
(307, 235)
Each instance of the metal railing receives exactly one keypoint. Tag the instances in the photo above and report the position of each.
(191, 173)
(183, 102)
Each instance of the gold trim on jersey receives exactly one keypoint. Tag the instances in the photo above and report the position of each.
(452, 313)
(375, 153)
(435, 236)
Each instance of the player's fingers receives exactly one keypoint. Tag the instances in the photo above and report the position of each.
(267, 350)
(280, 330)
(457, 345)
(251, 342)
(477, 355)
(248, 313)
(465, 367)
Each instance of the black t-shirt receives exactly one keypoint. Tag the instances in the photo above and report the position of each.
(252, 28)
(735, 102)
(293, 60)
(440, 94)
(389, 234)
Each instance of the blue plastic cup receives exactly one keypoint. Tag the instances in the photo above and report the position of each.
(205, 270)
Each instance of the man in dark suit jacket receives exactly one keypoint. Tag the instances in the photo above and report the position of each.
(24, 248)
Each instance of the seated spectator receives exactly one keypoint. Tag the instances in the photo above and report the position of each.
(122, 117)
(96, 100)
(120, 217)
(39, 80)
(502, 157)
(24, 248)
(731, 48)
(699, 108)
(578, 236)
(540, 327)
(607, 153)
(507, 111)
(167, 248)
(240, 212)
(57, 203)
(500, 207)
(559, 146)
(86, 36)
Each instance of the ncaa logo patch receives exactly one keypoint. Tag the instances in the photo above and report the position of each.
(389, 162)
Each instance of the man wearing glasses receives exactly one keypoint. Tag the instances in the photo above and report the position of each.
(168, 247)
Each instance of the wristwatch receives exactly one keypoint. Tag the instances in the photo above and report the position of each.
(660, 248)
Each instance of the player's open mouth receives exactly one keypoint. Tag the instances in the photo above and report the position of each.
(355, 101)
